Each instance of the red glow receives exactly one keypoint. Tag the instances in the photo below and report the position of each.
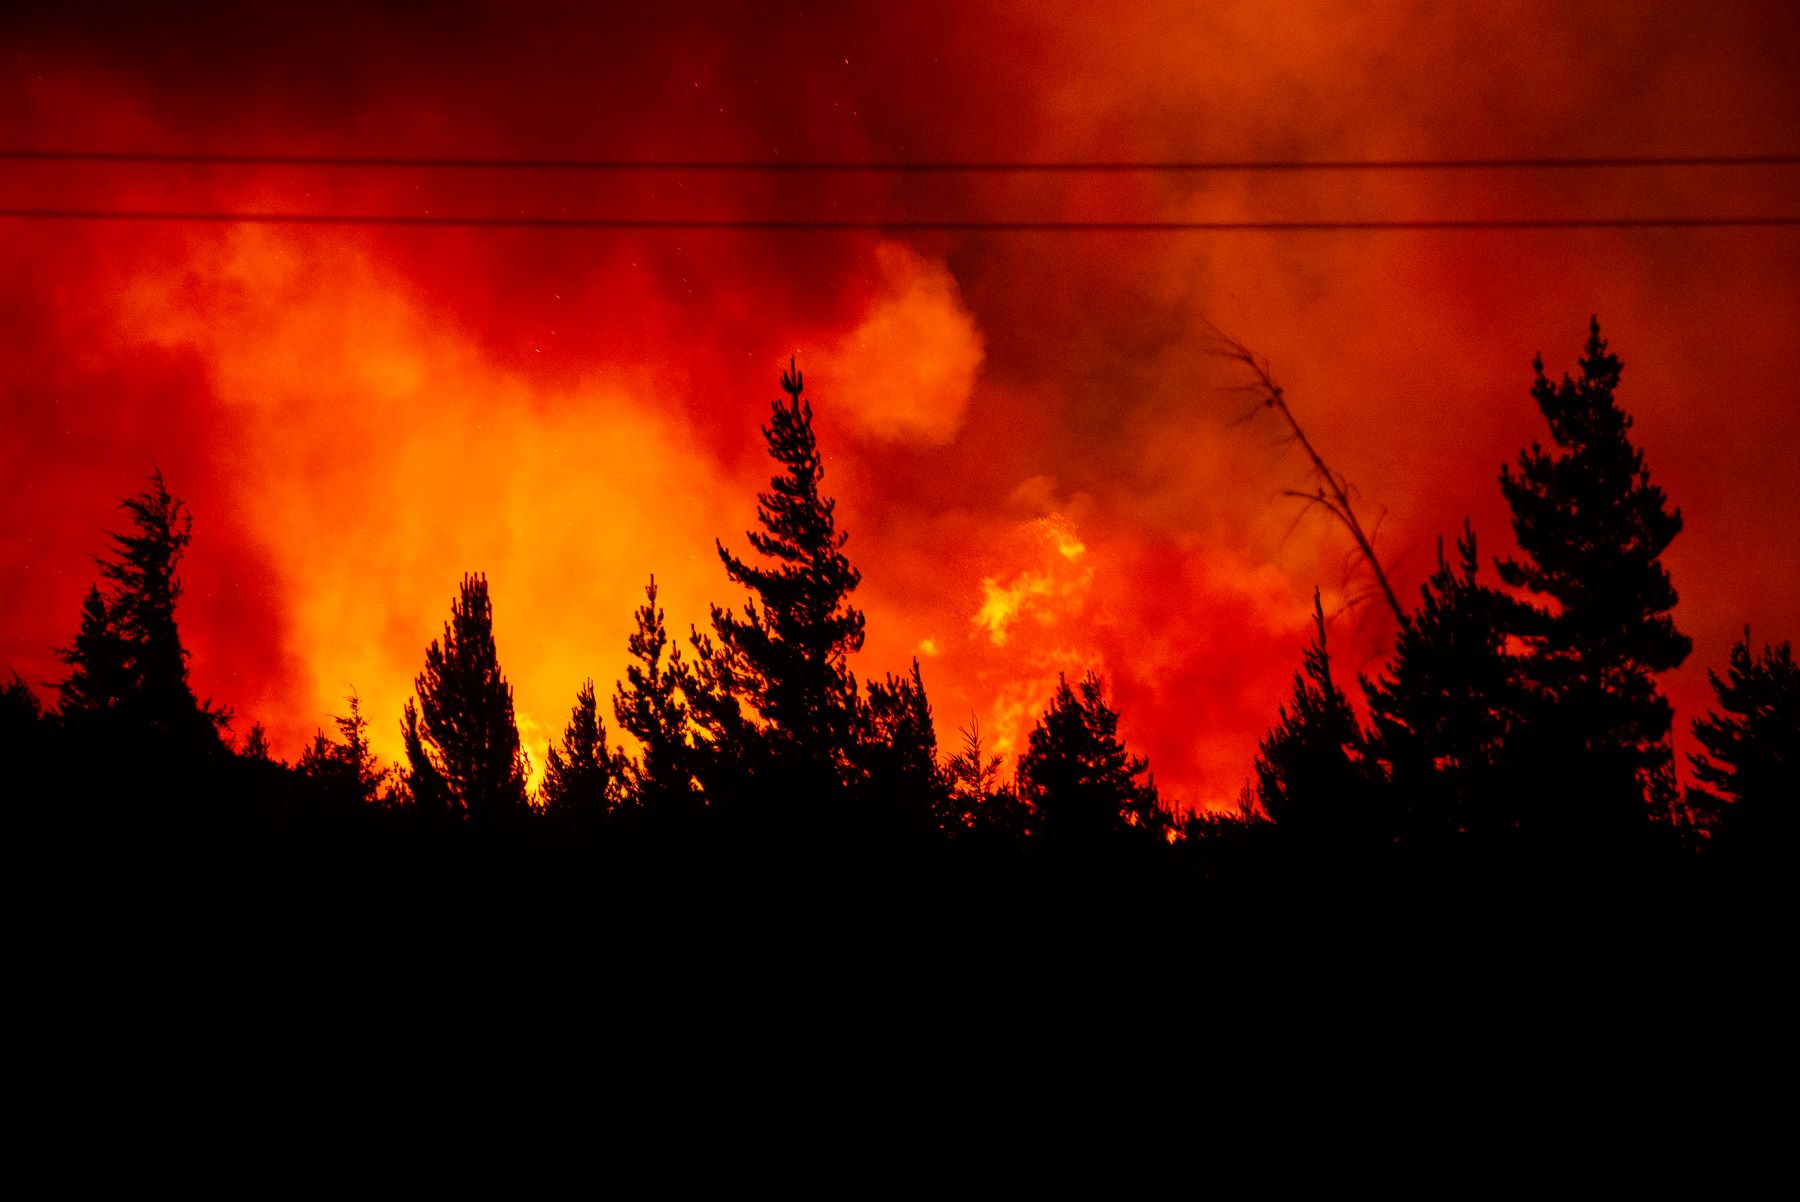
(1030, 439)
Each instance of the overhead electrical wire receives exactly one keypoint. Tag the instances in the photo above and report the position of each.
(529, 221)
(898, 225)
(180, 159)
(464, 163)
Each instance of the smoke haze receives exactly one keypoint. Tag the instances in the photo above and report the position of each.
(1031, 436)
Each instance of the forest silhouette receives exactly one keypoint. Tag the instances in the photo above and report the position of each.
(779, 921)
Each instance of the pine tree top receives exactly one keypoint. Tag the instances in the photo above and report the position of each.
(804, 593)
(465, 714)
(789, 650)
(1591, 525)
(1076, 770)
(1309, 766)
(127, 656)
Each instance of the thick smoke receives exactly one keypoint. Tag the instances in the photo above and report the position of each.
(1032, 436)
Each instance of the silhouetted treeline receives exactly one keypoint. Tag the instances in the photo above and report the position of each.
(1526, 711)
(782, 922)
(1529, 713)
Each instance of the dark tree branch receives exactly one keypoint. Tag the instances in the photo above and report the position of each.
(1331, 490)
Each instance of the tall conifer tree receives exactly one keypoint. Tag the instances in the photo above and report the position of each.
(127, 661)
(465, 731)
(1591, 529)
(786, 656)
(651, 705)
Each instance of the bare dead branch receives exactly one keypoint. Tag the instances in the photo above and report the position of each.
(1332, 490)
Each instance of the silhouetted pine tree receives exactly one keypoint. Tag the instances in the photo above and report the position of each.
(1752, 742)
(580, 779)
(127, 662)
(100, 659)
(1311, 768)
(1592, 530)
(1443, 711)
(256, 745)
(1076, 774)
(651, 705)
(786, 657)
(977, 799)
(346, 766)
(897, 754)
(464, 729)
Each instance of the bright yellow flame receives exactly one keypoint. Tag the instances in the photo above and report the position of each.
(1035, 591)
(383, 455)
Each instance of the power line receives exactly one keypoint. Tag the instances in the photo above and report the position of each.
(181, 159)
(875, 224)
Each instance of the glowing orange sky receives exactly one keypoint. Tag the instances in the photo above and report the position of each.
(1029, 435)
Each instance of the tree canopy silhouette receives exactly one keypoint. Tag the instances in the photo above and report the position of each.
(127, 664)
(345, 766)
(1752, 746)
(1591, 529)
(786, 656)
(651, 705)
(897, 756)
(976, 798)
(1076, 774)
(1449, 701)
(22, 721)
(462, 742)
(581, 778)
(1311, 768)
(101, 679)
